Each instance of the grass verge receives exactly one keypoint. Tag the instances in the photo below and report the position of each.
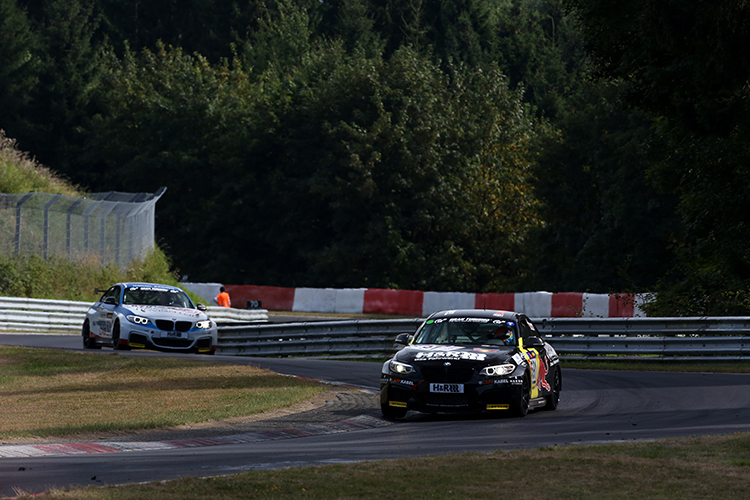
(57, 278)
(661, 366)
(98, 393)
(696, 468)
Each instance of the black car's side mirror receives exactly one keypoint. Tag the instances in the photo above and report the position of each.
(201, 307)
(403, 338)
(534, 342)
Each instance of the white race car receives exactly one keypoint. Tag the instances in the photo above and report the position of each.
(149, 316)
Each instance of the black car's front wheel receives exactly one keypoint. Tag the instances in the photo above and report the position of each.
(553, 398)
(520, 406)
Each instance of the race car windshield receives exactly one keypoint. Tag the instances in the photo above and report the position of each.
(157, 297)
(468, 331)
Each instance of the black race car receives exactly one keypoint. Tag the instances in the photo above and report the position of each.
(471, 361)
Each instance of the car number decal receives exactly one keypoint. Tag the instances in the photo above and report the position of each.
(174, 335)
(449, 388)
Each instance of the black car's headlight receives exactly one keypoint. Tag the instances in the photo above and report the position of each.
(400, 368)
(203, 325)
(138, 320)
(498, 370)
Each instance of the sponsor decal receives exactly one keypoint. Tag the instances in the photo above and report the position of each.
(153, 288)
(552, 355)
(469, 320)
(498, 407)
(402, 381)
(449, 355)
(431, 347)
(495, 381)
(447, 388)
(532, 358)
(542, 376)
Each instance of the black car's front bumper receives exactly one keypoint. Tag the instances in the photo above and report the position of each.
(479, 395)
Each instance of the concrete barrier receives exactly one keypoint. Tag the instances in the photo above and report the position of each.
(417, 303)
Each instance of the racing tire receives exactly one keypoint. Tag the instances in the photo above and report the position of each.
(392, 412)
(116, 338)
(553, 398)
(88, 342)
(520, 407)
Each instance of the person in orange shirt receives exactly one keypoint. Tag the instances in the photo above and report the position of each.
(223, 300)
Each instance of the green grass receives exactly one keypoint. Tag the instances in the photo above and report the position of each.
(19, 173)
(55, 385)
(693, 468)
(661, 366)
(53, 394)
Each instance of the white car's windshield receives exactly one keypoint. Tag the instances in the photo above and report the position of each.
(468, 331)
(144, 295)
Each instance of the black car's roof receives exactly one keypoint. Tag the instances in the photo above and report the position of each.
(475, 313)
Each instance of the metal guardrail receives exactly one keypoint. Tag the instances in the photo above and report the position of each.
(351, 339)
(42, 315)
(694, 339)
(667, 327)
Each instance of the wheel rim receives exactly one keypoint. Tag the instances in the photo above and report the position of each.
(116, 336)
(86, 335)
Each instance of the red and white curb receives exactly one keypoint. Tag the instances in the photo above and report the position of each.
(360, 422)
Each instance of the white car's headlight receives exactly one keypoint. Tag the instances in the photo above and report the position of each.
(497, 370)
(203, 325)
(400, 368)
(138, 320)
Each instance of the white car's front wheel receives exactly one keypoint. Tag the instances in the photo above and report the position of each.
(116, 345)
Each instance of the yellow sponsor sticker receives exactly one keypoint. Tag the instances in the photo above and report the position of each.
(397, 404)
(498, 407)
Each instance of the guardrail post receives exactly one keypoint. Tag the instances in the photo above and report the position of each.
(46, 224)
(18, 220)
(69, 225)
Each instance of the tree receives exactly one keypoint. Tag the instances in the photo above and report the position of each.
(19, 66)
(607, 228)
(69, 69)
(388, 174)
(171, 119)
(687, 63)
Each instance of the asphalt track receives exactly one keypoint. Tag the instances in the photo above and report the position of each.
(595, 407)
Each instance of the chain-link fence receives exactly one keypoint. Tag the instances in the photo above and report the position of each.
(113, 227)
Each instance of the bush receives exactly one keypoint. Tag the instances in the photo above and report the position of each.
(56, 278)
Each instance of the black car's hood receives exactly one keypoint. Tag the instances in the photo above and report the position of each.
(432, 352)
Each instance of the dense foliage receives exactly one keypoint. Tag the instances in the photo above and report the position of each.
(687, 63)
(475, 145)
(56, 278)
